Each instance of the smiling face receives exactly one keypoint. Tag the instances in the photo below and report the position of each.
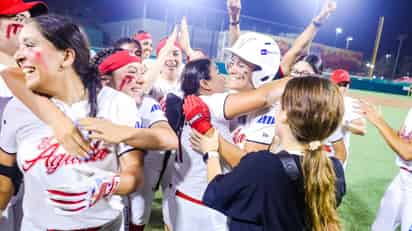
(39, 60)
(240, 74)
(147, 48)
(216, 82)
(172, 62)
(129, 80)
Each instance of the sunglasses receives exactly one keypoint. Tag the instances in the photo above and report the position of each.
(343, 84)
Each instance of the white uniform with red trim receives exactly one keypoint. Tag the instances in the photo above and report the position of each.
(190, 177)
(342, 133)
(257, 127)
(162, 87)
(141, 201)
(45, 163)
(396, 205)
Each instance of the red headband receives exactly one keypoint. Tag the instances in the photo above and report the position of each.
(162, 44)
(142, 36)
(116, 61)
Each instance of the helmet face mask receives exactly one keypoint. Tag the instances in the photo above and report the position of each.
(261, 51)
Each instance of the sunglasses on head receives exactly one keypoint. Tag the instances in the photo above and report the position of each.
(343, 84)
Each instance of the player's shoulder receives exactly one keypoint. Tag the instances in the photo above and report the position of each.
(15, 105)
(114, 96)
(150, 104)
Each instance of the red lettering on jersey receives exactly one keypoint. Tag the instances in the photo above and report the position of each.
(238, 136)
(54, 160)
(13, 28)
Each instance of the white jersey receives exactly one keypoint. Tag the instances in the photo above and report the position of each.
(191, 170)
(45, 163)
(162, 87)
(141, 201)
(341, 133)
(406, 134)
(257, 127)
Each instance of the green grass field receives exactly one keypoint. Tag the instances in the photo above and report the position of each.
(371, 168)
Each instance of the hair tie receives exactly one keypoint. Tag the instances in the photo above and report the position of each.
(314, 145)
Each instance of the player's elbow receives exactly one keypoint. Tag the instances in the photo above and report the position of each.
(167, 141)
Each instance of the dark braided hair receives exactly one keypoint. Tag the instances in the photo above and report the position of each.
(314, 61)
(126, 40)
(64, 34)
(102, 55)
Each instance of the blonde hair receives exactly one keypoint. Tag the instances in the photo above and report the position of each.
(314, 109)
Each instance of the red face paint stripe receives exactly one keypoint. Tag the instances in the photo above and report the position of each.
(13, 28)
(126, 80)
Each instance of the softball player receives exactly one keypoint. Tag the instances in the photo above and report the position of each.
(396, 205)
(65, 192)
(200, 77)
(255, 61)
(125, 75)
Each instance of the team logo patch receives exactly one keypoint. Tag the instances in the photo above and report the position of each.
(263, 52)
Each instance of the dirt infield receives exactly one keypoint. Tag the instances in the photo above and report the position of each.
(383, 99)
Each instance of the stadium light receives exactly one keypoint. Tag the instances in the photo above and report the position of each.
(348, 40)
(388, 56)
(338, 32)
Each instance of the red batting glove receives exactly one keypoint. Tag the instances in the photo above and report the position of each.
(197, 114)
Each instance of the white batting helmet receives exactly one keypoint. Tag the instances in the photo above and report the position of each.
(260, 50)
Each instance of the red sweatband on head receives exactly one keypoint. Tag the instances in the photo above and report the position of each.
(142, 36)
(162, 44)
(116, 61)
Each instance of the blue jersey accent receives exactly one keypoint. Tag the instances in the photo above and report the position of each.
(155, 107)
(138, 124)
(266, 120)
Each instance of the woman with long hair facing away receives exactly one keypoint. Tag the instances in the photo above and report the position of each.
(201, 78)
(63, 192)
(297, 188)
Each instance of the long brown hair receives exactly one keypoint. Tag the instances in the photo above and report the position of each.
(314, 109)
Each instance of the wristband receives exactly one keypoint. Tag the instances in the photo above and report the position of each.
(209, 155)
(235, 23)
(316, 23)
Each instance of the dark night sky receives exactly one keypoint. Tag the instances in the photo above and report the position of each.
(358, 18)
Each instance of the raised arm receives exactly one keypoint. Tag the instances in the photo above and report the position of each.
(307, 36)
(403, 147)
(234, 7)
(243, 102)
(159, 137)
(154, 71)
(64, 130)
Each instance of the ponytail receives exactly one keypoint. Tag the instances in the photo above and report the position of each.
(320, 197)
(92, 83)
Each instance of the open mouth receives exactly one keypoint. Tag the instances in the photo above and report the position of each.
(28, 71)
(235, 77)
(171, 64)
